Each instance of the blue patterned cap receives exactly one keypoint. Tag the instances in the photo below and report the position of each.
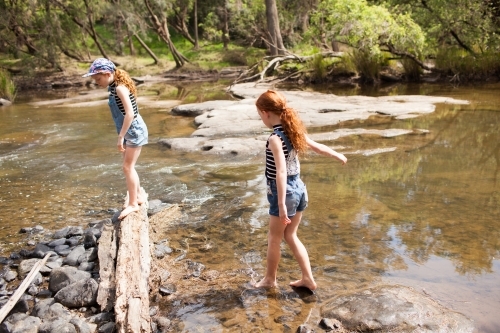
(101, 65)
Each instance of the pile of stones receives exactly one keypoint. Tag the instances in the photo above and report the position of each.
(62, 296)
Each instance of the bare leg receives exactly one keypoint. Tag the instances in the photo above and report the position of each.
(130, 157)
(274, 237)
(300, 254)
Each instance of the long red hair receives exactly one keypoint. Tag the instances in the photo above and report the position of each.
(123, 78)
(273, 101)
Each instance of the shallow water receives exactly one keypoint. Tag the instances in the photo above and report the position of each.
(426, 215)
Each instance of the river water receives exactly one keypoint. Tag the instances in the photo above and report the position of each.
(425, 215)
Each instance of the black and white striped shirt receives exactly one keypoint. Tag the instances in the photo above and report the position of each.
(112, 92)
(292, 162)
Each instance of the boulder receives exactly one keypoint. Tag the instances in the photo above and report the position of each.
(394, 309)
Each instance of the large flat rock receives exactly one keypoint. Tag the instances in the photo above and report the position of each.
(234, 127)
(394, 309)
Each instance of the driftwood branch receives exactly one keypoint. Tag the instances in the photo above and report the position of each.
(4, 311)
(274, 62)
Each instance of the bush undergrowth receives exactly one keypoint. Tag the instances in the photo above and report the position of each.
(466, 66)
(7, 87)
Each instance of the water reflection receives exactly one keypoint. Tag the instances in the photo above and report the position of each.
(425, 214)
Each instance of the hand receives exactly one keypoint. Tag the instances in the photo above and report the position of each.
(342, 158)
(284, 216)
(121, 149)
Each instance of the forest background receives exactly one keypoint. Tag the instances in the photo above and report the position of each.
(313, 40)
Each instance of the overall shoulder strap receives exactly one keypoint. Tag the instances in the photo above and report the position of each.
(287, 142)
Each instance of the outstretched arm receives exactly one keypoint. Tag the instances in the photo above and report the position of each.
(325, 151)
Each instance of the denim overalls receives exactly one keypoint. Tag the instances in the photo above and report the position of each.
(137, 134)
(296, 192)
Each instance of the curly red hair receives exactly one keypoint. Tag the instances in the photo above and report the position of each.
(123, 79)
(273, 101)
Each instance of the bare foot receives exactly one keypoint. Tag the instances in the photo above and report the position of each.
(310, 284)
(266, 284)
(128, 210)
(141, 198)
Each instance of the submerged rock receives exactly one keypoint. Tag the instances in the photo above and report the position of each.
(396, 309)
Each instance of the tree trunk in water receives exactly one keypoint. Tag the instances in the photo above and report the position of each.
(273, 26)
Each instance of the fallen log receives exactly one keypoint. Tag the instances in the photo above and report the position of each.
(108, 243)
(133, 266)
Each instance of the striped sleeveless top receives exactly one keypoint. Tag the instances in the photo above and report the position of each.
(292, 160)
(112, 93)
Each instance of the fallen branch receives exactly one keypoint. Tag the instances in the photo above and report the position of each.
(274, 62)
(4, 311)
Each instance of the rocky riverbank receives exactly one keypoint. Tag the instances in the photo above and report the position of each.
(62, 297)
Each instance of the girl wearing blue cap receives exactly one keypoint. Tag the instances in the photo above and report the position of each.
(131, 129)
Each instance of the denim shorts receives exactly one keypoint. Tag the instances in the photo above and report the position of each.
(296, 196)
(137, 134)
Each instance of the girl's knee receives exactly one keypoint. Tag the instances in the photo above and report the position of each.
(290, 237)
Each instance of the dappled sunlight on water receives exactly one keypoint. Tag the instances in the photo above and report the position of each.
(425, 214)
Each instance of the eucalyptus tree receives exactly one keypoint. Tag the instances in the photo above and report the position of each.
(37, 30)
(472, 25)
(181, 12)
(246, 21)
(84, 13)
(369, 30)
(273, 27)
(158, 11)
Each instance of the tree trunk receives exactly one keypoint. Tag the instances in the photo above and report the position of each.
(133, 266)
(225, 29)
(131, 43)
(162, 31)
(196, 44)
(93, 32)
(179, 24)
(148, 50)
(273, 26)
(90, 30)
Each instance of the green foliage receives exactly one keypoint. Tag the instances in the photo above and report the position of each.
(7, 87)
(367, 64)
(465, 66)
(214, 56)
(469, 24)
(319, 67)
(244, 18)
(370, 29)
(411, 68)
